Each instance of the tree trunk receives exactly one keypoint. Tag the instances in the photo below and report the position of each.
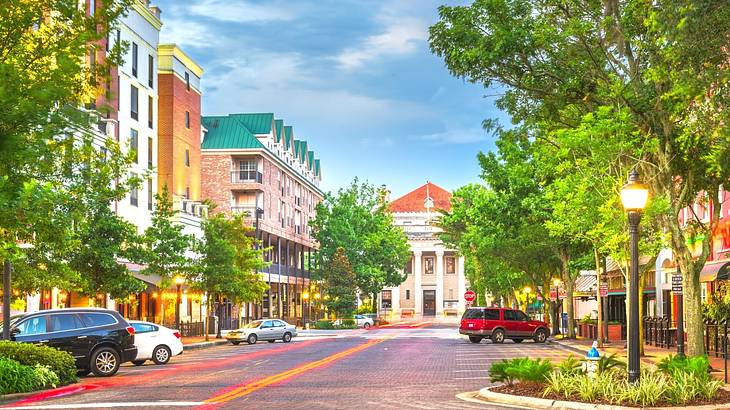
(569, 285)
(692, 302)
(599, 299)
(207, 315)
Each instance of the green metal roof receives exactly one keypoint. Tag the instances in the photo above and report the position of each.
(316, 168)
(297, 145)
(258, 123)
(279, 129)
(311, 159)
(302, 152)
(287, 136)
(226, 133)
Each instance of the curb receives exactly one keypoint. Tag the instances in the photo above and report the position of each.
(7, 398)
(204, 345)
(488, 397)
(582, 351)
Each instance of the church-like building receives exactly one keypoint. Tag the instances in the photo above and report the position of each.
(435, 282)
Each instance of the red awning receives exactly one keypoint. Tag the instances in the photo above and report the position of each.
(711, 269)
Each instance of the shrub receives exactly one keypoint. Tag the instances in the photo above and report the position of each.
(46, 377)
(324, 324)
(16, 378)
(651, 387)
(522, 369)
(606, 363)
(61, 363)
(570, 365)
(348, 324)
(698, 365)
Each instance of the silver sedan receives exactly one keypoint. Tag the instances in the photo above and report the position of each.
(264, 329)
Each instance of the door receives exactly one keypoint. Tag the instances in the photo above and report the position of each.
(66, 333)
(516, 323)
(31, 330)
(429, 303)
(145, 338)
(266, 331)
(277, 332)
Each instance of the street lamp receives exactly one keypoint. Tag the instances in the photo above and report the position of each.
(317, 296)
(556, 318)
(527, 291)
(179, 280)
(305, 296)
(634, 196)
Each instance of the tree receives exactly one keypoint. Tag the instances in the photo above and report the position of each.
(339, 285)
(229, 263)
(664, 62)
(358, 220)
(165, 243)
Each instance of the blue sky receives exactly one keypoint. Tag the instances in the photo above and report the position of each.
(355, 78)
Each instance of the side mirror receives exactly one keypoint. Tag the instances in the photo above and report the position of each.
(13, 332)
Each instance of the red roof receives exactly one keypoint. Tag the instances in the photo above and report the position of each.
(415, 201)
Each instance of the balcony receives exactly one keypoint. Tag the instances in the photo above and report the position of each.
(243, 177)
(287, 270)
(248, 210)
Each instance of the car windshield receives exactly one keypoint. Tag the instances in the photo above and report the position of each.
(253, 325)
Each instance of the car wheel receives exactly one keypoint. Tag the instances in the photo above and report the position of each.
(287, 337)
(83, 372)
(517, 340)
(138, 362)
(161, 354)
(272, 341)
(498, 336)
(541, 336)
(235, 342)
(252, 338)
(475, 339)
(105, 362)
(366, 325)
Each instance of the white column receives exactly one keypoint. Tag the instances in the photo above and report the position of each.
(439, 282)
(461, 283)
(395, 295)
(417, 290)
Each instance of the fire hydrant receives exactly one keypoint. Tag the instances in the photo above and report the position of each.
(590, 365)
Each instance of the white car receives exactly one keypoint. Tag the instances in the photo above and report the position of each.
(263, 329)
(155, 342)
(364, 321)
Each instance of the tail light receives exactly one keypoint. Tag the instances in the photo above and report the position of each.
(176, 333)
(130, 330)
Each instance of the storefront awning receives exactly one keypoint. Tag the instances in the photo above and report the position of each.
(715, 271)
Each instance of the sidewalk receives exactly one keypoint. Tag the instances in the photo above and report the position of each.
(652, 354)
(198, 342)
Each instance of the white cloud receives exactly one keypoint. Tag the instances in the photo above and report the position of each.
(399, 35)
(187, 33)
(242, 11)
(455, 136)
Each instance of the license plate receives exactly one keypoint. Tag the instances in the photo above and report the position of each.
(471, 324)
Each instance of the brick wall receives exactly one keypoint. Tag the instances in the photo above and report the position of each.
(174, 137)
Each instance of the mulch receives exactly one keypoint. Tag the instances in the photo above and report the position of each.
(536, 390)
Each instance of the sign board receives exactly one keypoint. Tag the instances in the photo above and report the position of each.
(677, 284)
(603, 290)
(553, 295)
(469, 296)
(562, 294)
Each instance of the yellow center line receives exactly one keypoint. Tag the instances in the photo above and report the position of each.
(259, 384)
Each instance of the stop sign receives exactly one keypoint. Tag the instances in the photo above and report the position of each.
(470, 295)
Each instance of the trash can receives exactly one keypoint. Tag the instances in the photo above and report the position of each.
(212, 325)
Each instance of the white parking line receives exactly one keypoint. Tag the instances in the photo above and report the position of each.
(111, 405)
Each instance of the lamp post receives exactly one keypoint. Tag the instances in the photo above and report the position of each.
(527, 291)
(556, 317)
(633, 197)
(305, 296)
(179, 280)
(317, 296)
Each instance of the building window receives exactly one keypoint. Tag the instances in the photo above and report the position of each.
(187, 81)
(133, 193)
(134, 144)
(150, 195)
(247, 170)
(134, 103)
(428, 265)
(450, 264)
(187, 119)
(187, 192)
(187, 157)
(408, 294)
(150, 152)
(151, 111)
(386, 299)
(134, 59)
(151, 71)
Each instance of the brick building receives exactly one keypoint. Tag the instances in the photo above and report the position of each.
(253, 164)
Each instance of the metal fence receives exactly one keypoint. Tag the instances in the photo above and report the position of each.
(658, 331)
(192, 329)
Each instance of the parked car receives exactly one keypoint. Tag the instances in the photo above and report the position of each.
(498, 324)
(364, 321)
(264, 329)
(155, 342)
(99, 339)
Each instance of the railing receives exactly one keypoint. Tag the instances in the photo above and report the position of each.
(191, 329)
(229, 323)
(249, 210)
(287, 270)
(241, 177)
(658, 331)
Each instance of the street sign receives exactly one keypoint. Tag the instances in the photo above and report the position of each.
(553, 295)
(470, 295)
(603, 290)
(677, 284)
(562, 294)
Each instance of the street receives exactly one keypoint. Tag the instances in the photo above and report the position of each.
(413, 366)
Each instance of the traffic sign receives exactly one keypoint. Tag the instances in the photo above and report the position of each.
(603, 290)
(562, 294)
(677, 284)
(470, 295)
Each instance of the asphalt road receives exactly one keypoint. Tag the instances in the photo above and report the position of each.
(401, 367)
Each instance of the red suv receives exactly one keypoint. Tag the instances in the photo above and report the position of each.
(499, 324)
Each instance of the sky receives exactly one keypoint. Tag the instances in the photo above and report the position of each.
(356, 79)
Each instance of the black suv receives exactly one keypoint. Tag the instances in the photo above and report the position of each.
(99, 339)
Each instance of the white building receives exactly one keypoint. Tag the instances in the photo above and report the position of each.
(435, 283)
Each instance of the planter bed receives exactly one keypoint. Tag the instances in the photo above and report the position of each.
(536, 390)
